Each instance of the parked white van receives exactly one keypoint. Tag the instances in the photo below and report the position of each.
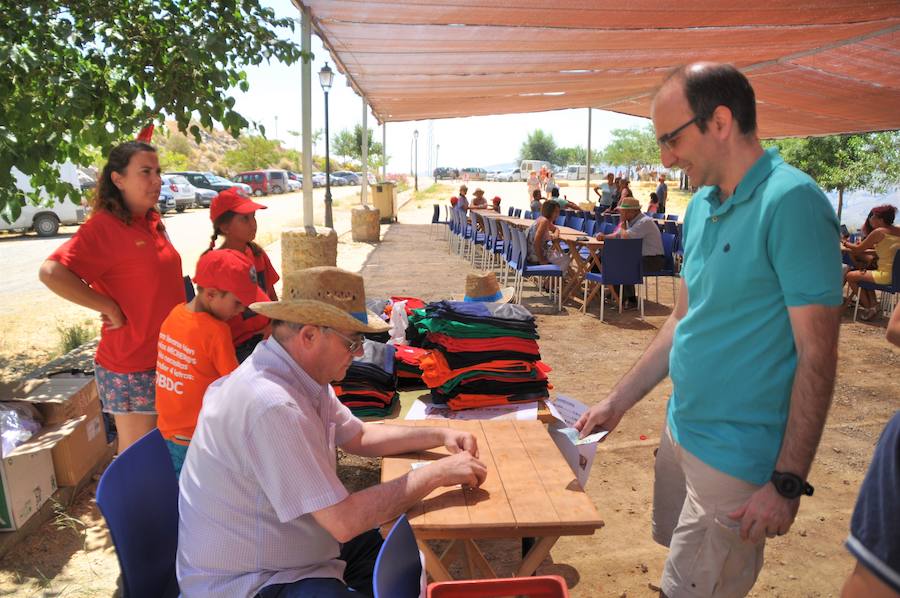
(576, 172)
(527, 166)
(45, 220)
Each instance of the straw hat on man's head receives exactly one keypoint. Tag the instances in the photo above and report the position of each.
(629, 203)
(484, 288)
(323, 296)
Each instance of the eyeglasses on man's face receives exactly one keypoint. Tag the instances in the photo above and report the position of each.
(667, 140)
(353, 344)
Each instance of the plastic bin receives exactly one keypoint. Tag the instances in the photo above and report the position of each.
(384, 199)
(543, 586)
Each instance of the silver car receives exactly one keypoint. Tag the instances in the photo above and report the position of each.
(185, 193)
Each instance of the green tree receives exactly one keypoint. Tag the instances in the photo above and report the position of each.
(77, 73)
(632, 147)
(575, 155)
(349, 144)
(538, 146)
(846, 162)
(172, 160)
(253, 152)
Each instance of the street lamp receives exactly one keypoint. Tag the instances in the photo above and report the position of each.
(437, 151)
(416, 141)
(326, 75)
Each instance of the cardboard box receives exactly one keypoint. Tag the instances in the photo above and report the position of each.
(79, 444)
(28, 481)
(60, 399)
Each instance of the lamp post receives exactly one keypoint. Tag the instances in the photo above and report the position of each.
(326, 75)
(437, 151)
(416, 153)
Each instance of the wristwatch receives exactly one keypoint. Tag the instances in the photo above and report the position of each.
(790, 485)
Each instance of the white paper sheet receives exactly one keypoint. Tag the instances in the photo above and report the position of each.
(525, 411)
(578, 452)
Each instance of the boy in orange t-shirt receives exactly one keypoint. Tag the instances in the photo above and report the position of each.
(195, 346)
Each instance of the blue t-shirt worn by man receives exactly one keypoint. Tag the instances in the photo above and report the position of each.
(772, 245)
(875, 529)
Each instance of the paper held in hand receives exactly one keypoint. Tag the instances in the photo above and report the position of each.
(579, 453)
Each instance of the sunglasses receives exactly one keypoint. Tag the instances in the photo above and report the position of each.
(665, 140)
(353, 344)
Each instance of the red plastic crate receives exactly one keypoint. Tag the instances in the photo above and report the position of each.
(543, 586)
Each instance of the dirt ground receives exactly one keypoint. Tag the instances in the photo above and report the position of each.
(74, 557)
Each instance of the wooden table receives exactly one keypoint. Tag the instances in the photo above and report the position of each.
(579, 266)
(530, 491)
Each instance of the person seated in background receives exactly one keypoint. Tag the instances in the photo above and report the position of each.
(860, 259)
(462, 203)
(536, 201)
(496, 203)
(540, 235)
(636, 225)
(453, 201)
(885, 240)
(478, 200)
(653, 206)
(564, 204)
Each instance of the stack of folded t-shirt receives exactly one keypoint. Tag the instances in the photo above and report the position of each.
(481, 354)
(408, 366)
(370, 386)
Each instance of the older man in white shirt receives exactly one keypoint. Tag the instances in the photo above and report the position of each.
(262, 511)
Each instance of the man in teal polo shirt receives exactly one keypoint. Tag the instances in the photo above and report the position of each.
(751, 345)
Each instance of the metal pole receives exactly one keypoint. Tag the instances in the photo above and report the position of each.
(587, 185)
(437, 151)
(416, 142)
(384, 151)
(329, 222)
(364, 184)
(306, 89)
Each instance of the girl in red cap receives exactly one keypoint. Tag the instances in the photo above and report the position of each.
(122, 264)
(234, 218)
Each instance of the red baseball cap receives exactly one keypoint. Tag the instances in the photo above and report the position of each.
(232, 271)
(232, 200)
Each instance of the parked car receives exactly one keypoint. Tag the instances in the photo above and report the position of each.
(166, 201)
(444, 172)
(318, 179)
(510, 176)
(474, 174)
(205, 197)
(256, 179)
(294, 185)
(44, 220)
(295, 176)
(185, 193)
(371, 177)
(338, 181)
(351, 177)
(278, 180)
(204, 180)
(247, 189)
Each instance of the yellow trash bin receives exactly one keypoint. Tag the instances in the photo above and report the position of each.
(384, 199)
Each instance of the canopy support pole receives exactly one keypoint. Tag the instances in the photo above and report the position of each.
(587, 183)
(364, 183)
(306, 99)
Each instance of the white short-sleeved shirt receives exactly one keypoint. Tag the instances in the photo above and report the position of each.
(262, 459)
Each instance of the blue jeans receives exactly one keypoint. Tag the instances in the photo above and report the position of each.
(359, 553)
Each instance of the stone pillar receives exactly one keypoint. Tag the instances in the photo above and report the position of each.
(306, 247)
(366, 224)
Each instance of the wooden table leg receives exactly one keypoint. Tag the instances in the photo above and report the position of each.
(476, 559)
(536, 556)
(433, 564)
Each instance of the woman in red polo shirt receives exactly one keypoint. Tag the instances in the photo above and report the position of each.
(122, 264)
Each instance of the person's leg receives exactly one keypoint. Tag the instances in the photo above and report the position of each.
(668, 490)
(360, 554)
(314, 587)
(706, 555)
(132, 426)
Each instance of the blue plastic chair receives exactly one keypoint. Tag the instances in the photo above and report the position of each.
(517, 213)
(672, 217)
(670, 226)
(525, 270)
(658, 216)
(590, 227)
(511, 210)
(138, 496)
(560, 220)
(509, 247)
(398, 570)
(576, 223)
(668, 241)
(620, 265)
(892, 288)
(527, 215)
(436, 219)
(189, 292)
(607, 228)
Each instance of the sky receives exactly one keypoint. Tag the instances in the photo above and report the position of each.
(481, 141)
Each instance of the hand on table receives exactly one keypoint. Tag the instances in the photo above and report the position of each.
(461, 468)
(766, 514)
(602, 415)
(457, 440)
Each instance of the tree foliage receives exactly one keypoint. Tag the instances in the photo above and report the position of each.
(538, 145)
(632, 147)
(575, 155)
(252, 153)
(846, 162)
(349, 145)
(81, 74)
